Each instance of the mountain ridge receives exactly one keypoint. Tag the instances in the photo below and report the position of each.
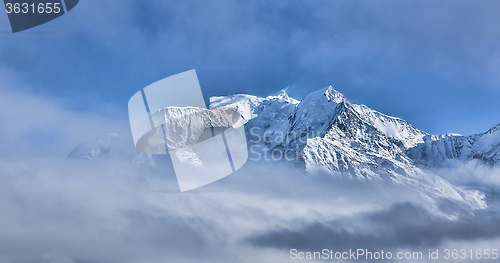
(345, 139)
(414, 142)
(327, 134)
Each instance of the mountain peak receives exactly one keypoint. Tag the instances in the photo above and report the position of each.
(283, 95)
(494, 129)
(332, 95)
(105, 147)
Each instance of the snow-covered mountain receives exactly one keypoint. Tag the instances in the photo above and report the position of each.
(327, 134)
(442, 150)
(106, 147)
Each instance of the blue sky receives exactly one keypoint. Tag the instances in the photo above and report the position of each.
(432, 63)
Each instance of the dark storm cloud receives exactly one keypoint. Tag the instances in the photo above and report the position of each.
(175, 233)
(403, 225)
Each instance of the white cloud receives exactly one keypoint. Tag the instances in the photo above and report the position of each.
(38, 125)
